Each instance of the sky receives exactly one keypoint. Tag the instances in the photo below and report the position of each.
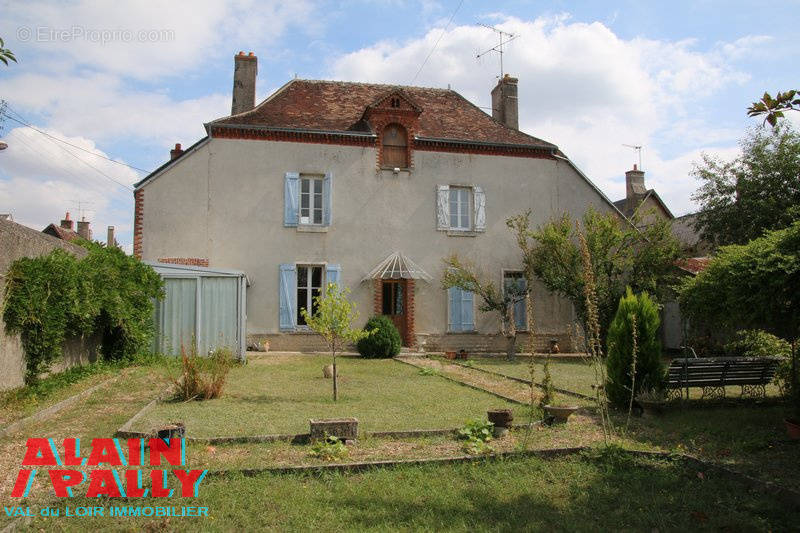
(126, 80)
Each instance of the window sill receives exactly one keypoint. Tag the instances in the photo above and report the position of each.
(308, 228)
(461, 233)
(470, 332)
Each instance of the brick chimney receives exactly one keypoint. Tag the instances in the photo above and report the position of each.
(110, 240)
(634, 189)
(66, 223)
(83, 229)
(245, 69)
(176, 152)
(504, 102)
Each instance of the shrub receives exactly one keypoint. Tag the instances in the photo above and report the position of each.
(642, 311)
(202, 378)
(758, 343)
(477, 434)
(329, 449)
(384, 342)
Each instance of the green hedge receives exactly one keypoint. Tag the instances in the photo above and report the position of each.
(384, 342)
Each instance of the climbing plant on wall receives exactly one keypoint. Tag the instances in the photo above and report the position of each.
(52, 297)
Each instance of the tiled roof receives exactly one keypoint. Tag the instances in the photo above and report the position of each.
(335, 106)
(62, 233)
(694, 265)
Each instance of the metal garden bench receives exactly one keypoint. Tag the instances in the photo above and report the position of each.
(712, 374)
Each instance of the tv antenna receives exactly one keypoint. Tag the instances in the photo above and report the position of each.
(82, 206)
(504, 37)
(638, 148)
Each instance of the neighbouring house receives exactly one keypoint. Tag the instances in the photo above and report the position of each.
(66, 232)
(641, 204)
(369, 186)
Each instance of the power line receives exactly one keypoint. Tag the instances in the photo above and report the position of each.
(22, 122)
(70, 153)
(437, 41)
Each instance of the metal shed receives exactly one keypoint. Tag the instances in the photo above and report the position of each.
(200, 303)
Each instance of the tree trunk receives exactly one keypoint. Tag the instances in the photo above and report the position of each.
(795, 382)
(511, 346)
(335, 380)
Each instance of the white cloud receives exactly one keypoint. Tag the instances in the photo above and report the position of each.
(583, 88)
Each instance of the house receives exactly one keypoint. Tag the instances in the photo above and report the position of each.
(641, 205)
(370, 186)
(65, 231)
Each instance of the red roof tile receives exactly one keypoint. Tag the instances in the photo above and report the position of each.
(336, 106)
(61, 233)
(694, 265)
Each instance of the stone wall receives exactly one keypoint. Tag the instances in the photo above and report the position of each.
(18, 241)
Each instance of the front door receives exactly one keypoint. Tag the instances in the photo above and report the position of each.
(394, 304)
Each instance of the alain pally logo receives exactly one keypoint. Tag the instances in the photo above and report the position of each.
(72, 474)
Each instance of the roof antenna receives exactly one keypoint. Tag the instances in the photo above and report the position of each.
(638, 148)
(499, 48)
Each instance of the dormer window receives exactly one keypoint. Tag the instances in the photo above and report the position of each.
(395, 146)
(395, 102)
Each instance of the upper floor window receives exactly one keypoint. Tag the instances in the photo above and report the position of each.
(310, 199)
(460, 200)
(394, 142)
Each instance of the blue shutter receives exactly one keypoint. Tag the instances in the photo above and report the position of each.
(454, 309)
(288, 297)
(332, 273)
(521, 310)
(327, 213)
(291, 199)
(467, 311)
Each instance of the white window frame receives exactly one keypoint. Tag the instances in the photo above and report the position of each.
(313, 180)
(309, 286)
(458, 189)
(521, 275)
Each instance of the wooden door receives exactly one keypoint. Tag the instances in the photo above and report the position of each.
(395, 304)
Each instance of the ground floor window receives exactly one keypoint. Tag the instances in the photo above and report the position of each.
(309, 287)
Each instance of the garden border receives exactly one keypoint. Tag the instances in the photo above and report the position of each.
(527, 381)
(55, 408)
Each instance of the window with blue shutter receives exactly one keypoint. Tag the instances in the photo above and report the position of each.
(287, 296)
(333, 273)
(327, 201)
(291, 199)
(461, 310)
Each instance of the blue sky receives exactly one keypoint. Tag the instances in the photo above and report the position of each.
(675, 77)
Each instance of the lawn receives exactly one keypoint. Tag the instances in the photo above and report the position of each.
(278, 394)
(574, 375)
(596, 491)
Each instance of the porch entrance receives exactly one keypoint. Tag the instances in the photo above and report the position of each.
(394, 304)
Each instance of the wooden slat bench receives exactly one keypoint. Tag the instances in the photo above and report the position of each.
(712, 374)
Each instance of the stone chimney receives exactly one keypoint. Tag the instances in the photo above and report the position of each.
(505, 107)
(66, 223)
(110, 240)
(83, 229)
(176, 152)
(245, 70)
(634, 183)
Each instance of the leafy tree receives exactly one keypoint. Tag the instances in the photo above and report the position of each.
(752, 286)
(333, 320)
(634, 329)
(773, 108)
(464, 276)
(753, 193)
(620, 255)
(6, 54)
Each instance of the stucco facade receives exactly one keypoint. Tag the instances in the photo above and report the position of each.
(224, 201)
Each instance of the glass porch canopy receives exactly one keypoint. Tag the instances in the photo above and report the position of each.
(397, 266)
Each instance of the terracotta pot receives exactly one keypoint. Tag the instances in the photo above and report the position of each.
(793, 428)
(501, 418)
(450, 355)
(558, 414)
(462, 355)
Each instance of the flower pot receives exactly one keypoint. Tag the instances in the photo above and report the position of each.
(462, 355)
(651, 407)
(450, 355)
(793, 428)
(558, 414)
(554, 346)
(501, 418)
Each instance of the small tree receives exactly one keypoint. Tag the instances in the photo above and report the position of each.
(333, 320)
(461, 275)
(634, 328)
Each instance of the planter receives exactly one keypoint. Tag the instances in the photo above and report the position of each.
(345, 429)
(554, 346)
(501, 418)
(462, 355)
(450, 355)
(558, 414)
(172, 431)
(651, 407)
(793, 428)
